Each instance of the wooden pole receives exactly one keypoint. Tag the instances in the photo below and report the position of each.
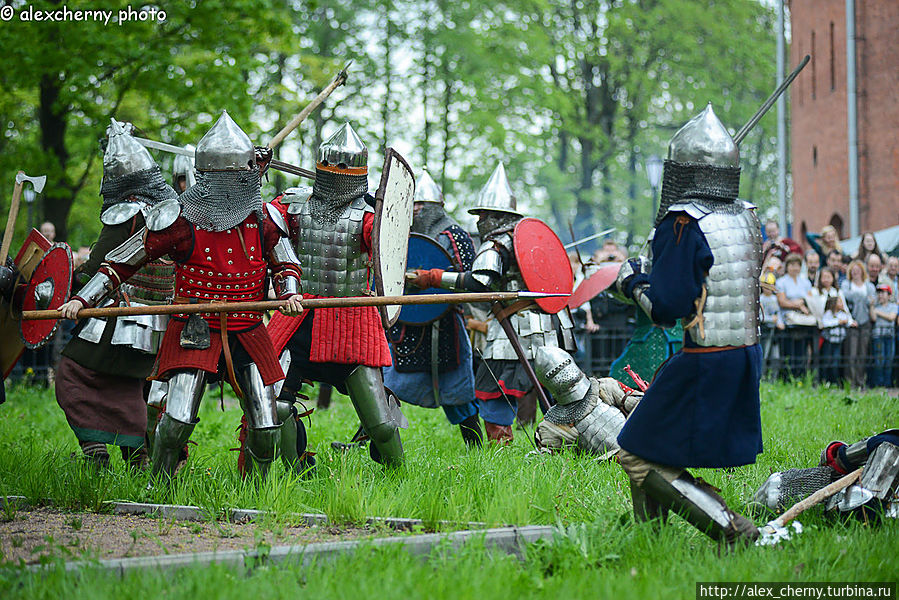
(265, 305)
(11, 221)
(295, 122)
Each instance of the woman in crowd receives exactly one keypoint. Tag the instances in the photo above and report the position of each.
(792, 292)
(866, 247)
(827, 241)
(859, 294)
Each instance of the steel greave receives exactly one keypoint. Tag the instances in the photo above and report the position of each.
(366, 390)
(171, 435)
(259, 399)
(698, 506)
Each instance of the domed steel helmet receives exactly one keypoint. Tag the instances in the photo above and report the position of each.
(558, 373)
(427, 190)
(496, 195)
(124, 155)
(343, 151)
(225, 147)
(703, 164)
(705, 140)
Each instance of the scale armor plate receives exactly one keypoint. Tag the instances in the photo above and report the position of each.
(598, 430)
(331, 253)
(731, 310)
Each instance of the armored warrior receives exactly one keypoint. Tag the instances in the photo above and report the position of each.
(878, 484)
(702, 408)
(183, 172)
(102, 373)
(501, 380)
(222, 245)
(432, 363)
(346, 346)
(589, 412)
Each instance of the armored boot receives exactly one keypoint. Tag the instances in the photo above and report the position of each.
(380, 417)
(171, 436)
(471, 431)
(261, 447)
(698, 503)
(294, 440)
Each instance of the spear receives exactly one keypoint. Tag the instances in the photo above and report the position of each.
(308, 303)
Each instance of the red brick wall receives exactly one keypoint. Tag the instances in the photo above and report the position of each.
(818, 103)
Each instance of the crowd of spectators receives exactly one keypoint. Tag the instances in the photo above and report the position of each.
(838, 320)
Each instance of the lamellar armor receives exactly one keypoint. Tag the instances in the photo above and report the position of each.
(701, 180)
(589, 413)
(329, 223)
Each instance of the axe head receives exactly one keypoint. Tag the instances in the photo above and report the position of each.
(37, 182)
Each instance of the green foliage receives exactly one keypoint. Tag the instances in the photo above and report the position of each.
(573, 96)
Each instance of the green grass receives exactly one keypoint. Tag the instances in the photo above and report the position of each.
(601, 553)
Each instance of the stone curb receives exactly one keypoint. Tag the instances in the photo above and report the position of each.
(507, 539)
(180, 512)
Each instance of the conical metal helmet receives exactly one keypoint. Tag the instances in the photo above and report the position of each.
(343, 150)
(225, 147)
(427, 190)
(704, 140)
(496, 195)
(124, 155)
(557, 372)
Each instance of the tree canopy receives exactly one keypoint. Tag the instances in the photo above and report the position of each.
(573, 95)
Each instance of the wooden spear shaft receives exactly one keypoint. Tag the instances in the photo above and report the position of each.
(295, 122)
(262, 306)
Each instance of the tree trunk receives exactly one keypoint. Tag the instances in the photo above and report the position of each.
(58, 195)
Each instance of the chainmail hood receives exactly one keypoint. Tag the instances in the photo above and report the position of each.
(710, 185)
(332, 192)
(431, 219)
(147, 185)
(220, 200)
(491, 224)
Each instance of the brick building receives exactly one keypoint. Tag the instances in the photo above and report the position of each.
(819, 132)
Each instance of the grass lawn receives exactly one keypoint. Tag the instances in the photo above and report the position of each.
(599, 552)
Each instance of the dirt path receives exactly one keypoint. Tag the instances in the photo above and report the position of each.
(34, 533)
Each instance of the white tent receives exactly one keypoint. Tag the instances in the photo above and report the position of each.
(887, 239)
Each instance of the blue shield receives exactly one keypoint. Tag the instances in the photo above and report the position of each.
(425, 253)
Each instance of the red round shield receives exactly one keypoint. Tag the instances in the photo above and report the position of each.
(593, 285)
(543, 263)
(48, 288)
